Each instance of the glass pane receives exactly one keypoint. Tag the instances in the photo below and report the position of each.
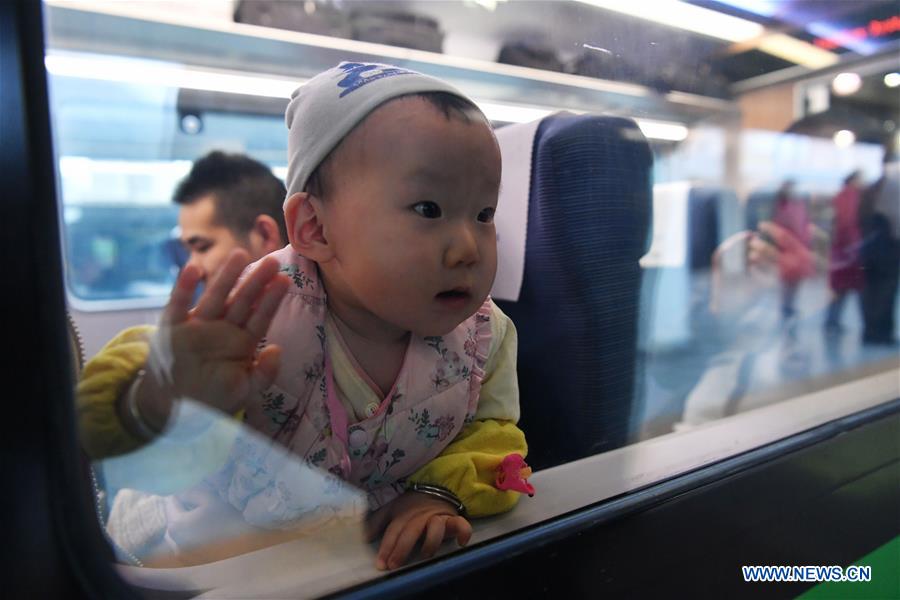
(696, 233)
(123, 146)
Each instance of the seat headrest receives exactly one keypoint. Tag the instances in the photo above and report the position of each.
(511, 220)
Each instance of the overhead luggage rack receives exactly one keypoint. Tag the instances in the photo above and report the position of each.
(132, 31)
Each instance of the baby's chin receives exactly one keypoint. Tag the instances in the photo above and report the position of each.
(442, 324)
(435, 329)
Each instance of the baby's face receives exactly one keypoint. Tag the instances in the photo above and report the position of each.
(409, 214)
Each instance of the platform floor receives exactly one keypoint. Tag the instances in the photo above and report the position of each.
(735, 363)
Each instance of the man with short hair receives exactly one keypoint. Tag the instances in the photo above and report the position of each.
(229, 201)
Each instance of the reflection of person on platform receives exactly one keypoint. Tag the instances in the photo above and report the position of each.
(790, 214)
(844, 270)
(744, 267)
(879, 217)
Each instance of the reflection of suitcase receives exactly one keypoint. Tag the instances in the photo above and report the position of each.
(307, 16)
(398, 29)
(528, 54)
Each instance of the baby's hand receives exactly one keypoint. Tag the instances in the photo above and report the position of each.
(410, 517)
(795, 261)
(207, 354)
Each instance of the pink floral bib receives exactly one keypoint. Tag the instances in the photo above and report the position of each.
(436, 393)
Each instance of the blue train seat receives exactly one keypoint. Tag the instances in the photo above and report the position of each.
(714, 213)
(577, 312)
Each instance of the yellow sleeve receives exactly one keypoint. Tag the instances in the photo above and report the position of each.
(105, 378)
(468, 466)
(168, 464)
(499, 396)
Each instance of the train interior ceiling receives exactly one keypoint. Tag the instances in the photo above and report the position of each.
(731, 128)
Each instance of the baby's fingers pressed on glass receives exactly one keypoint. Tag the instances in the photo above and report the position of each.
(265, 309)
(179, 306)
(214, 299)
(267, 362)
(250, 290)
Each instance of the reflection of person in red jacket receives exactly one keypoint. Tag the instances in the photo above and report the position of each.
(845, 270)
(790, 214)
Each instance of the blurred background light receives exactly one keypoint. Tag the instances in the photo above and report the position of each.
(845, 84)
(844, 138)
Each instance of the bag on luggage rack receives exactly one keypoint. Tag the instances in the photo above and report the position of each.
(405, 30)
(306, 16)
(530, 54)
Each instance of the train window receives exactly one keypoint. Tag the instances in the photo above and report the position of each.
(697, 234)
(123, 146)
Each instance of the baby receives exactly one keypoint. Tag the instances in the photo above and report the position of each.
(368, 346)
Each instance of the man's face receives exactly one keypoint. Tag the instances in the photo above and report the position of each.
(208, 242)
(409, 216)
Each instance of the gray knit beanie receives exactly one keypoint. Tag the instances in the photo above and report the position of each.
(327, 107)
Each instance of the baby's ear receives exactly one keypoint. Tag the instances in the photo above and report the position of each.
(303, 216)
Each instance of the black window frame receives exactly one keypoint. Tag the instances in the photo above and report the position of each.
(56, 547)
